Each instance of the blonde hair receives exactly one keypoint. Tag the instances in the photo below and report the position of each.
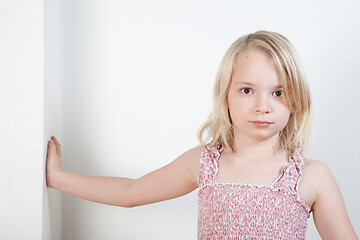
(298, 130)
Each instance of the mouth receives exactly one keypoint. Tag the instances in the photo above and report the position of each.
(261, 123)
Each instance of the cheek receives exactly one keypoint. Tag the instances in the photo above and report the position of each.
(282, 107)
(238, 102)
(285, 113)
(285, 109)
(239, 110)
(285, 104)
(238, 107)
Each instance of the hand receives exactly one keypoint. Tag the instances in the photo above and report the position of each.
(53, 162)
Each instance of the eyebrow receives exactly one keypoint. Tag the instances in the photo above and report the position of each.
(251, 84)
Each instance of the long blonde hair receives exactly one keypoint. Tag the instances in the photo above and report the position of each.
(298, 130)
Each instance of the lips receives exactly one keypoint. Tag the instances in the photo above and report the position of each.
(261, 122)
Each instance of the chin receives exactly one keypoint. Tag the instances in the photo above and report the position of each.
(263, 137)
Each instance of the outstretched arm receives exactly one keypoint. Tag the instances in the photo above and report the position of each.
(173, 180)
(330, 215)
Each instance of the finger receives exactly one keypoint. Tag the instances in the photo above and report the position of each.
(56, 142)
(51, 153)
(50, 150)
(51, 146)
(57, 147)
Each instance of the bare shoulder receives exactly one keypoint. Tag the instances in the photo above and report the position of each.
(314, 174)
(314, 165)
(321, 176)
(329, 211)
(317, 173)
(317, 170)
(192, 160)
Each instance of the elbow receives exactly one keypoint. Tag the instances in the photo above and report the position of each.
(127, 202)
(128, 205)
(129, 197)
(131, 203)
(123, 204)
(124, 198)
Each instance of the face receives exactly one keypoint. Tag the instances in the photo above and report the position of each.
(256, 94)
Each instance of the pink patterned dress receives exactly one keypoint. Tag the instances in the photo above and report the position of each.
(249, 211)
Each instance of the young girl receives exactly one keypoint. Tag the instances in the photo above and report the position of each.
(254, 181)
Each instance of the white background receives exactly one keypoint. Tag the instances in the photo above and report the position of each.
(138, 80)
(128, 83)
(22, 144)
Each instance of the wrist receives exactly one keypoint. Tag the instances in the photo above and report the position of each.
(53, 179)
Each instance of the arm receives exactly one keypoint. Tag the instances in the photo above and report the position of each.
(173, 180)
(329, 211)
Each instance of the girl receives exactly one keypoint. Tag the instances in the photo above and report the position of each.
(253, 179)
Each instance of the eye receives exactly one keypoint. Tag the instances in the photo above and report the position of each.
(279, 93)
(245, 90)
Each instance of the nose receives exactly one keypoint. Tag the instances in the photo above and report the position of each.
(263, 104)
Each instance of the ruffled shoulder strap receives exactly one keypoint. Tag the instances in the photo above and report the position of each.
(298, 159)
(208, 163)
(293, 171)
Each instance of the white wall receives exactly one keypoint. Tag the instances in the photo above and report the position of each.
(136, 77)
(53, 108)
(138, 80)
(22, 146)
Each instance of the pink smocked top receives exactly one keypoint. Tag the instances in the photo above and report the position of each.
(249, 211)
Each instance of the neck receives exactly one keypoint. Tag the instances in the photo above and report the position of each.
(258, 150)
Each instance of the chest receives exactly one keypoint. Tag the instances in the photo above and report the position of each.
(263, 174)
(260, 173)
(237, 210)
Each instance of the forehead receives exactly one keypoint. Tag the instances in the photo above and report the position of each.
(257, 68)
